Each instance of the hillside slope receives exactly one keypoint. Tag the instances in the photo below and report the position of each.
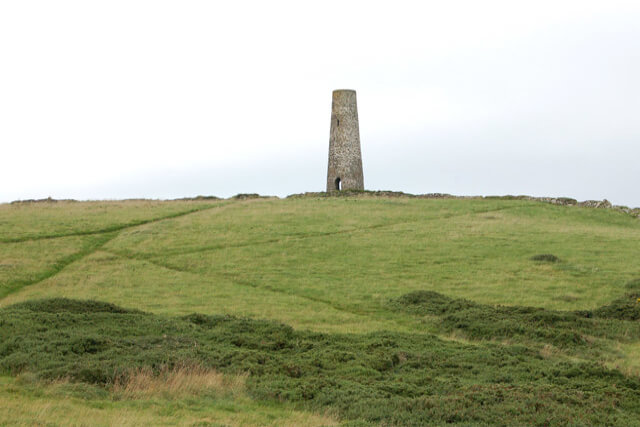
(409, 281)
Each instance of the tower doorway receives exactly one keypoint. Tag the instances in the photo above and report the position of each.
(338, 184)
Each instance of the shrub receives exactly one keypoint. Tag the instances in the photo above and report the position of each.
(545, 258)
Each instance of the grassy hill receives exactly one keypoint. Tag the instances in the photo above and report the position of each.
(319, 311)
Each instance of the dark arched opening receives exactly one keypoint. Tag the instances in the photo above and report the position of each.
(338, 184)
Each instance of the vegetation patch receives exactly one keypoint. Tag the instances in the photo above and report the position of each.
(545, 258)
(569, 330)
(387, 378)
(633, 284)
(66, 305)
(624, 308)
(247, 196)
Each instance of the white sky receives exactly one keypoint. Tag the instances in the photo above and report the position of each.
(165, 99)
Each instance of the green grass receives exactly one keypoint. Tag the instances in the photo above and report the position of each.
(440, 308)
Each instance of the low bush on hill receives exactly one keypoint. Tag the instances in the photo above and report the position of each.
(545, 258)
(570, 330)
(389, 378)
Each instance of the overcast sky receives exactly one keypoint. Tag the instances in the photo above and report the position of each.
(165, 99)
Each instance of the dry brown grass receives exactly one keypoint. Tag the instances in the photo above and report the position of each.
(178, 382)
(548, 351)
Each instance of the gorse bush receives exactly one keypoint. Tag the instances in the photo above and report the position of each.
(625, 308)
(545, 258)
(564, 329)
(65, 305)
(388, 378)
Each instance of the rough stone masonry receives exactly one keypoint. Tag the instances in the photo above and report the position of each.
(345, 158)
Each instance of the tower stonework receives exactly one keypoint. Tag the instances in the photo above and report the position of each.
(345, 158)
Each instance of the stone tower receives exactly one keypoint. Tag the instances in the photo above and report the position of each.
(345, 159)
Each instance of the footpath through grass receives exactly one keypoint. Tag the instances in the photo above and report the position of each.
(404, 311)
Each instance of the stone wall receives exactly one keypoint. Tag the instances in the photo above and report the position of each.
(563, 201)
